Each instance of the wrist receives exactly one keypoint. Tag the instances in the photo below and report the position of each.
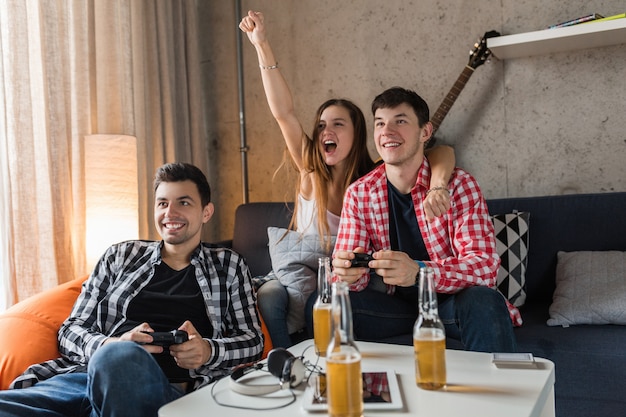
(437, 183)
(420, 265)
(208, 351)
(269, 67)
(438, 188)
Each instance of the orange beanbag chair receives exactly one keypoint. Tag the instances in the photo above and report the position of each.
(268, 341)
(28, 330)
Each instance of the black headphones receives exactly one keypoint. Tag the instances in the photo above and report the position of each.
(282, 364)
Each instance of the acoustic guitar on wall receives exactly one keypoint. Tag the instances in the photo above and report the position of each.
(478, 56)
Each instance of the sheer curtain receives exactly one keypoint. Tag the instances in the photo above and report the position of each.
(75, 68)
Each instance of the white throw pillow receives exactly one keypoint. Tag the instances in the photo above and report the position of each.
(590, 289)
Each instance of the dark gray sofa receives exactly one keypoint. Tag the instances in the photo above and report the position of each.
(590, 359)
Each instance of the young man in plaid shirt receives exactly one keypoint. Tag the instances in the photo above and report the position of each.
(382, 214)
(109, 364)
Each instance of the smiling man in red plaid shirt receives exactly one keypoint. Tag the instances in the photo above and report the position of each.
(382, 214)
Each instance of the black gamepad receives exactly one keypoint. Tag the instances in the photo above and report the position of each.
(167, 339)
(361, 260)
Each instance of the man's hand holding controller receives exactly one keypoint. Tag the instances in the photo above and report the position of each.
(394, 267)
(361, 260)
(350, 266)
(167, 339)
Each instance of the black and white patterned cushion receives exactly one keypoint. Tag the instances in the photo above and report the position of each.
(511, 230)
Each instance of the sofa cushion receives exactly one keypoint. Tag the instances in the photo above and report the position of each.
(294, 261)
(250, 235)
(29, 329)
(584, 357)
(511, 231)
(590, 288)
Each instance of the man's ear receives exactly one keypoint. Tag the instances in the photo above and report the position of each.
(427, 132)
(207, 212)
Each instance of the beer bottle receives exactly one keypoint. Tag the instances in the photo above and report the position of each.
(429, 336)
(344, 381)
(321, 308)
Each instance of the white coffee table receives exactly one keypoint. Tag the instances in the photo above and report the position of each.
(475, 388)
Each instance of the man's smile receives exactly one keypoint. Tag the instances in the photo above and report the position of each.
(173, 225)
(391, 145)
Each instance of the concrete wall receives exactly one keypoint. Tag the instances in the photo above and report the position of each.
(550, 124)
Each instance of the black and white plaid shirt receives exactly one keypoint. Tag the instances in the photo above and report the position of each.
(121, 274)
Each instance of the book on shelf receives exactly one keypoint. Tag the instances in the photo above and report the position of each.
(582, 19)
(604, 19)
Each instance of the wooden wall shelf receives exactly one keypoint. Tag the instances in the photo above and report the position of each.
(581, 36)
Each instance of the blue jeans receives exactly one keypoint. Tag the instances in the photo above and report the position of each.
(273, 303)
(477, 316)
(122, 379)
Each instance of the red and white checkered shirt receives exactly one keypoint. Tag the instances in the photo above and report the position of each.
(461, 243)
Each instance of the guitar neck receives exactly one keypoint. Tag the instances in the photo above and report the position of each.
(451, 97)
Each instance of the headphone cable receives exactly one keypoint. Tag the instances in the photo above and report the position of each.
(292, 399)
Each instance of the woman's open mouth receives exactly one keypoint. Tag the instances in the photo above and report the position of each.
(329, 146)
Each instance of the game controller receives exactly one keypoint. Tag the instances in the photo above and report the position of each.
(361, 260)
(167, 339)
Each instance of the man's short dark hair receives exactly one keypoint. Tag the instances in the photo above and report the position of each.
(395, 96)
(181, 171)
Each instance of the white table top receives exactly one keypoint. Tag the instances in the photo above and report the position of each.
(475, 388)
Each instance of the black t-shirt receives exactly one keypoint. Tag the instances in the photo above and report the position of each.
(405, 234)
(170, 298)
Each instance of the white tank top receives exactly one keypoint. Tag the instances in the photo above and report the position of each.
(307, 220)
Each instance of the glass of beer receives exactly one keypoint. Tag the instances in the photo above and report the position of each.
(430, 358)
